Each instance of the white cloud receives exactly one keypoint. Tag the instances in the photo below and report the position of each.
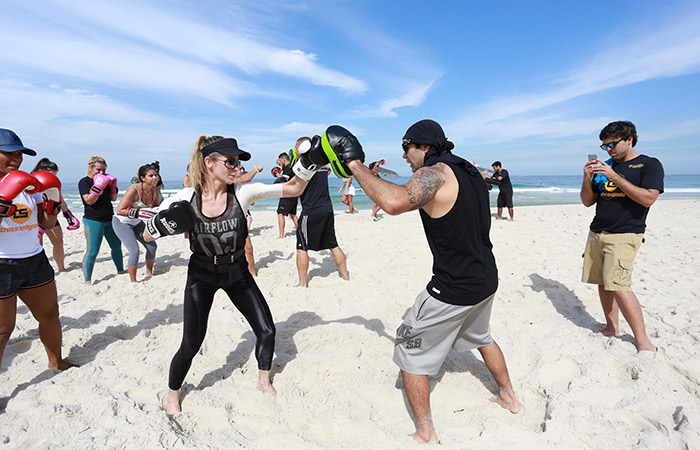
(190, 45)
(415, 94)
(671, 50)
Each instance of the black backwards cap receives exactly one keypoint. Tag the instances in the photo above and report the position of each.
(427, 132)
(226, 146)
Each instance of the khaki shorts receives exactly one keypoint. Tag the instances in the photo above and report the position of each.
(609, 259)
(432, 327)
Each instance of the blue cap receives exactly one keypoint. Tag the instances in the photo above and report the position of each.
(10, 142)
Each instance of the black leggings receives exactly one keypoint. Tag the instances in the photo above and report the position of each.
(199, 296)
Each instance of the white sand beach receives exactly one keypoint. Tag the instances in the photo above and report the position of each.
(333, 369)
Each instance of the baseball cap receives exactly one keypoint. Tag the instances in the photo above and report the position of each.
(10, 142)
(226, 146)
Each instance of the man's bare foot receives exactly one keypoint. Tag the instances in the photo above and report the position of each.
(300, 284)
(507, 401)
(265, 384)
(345, 277)
(88, 282)
(172, 402)
(429, 439)
(62, 365)
(149, 274)
(605, 332)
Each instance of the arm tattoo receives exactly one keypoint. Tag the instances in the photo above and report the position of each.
(424, 185)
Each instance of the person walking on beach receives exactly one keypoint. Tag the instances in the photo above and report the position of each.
(27, 201)
(287, 207)
(501, 178)
(454, 309)
(316, 230)
(623, 189)
(348, 191)
(374, 167)
(212, 211)
(138, 204)
(98, 190)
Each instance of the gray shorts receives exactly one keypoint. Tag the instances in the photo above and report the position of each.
(432, 327)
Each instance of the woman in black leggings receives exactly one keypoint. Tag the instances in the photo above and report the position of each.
(217, 241)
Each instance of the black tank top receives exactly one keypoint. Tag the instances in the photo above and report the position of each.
(464, 268)
(218, 235)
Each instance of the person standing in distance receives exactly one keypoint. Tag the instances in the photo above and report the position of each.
(623, 189)
(98, 190)
(505, 189)
(316, 230)
(287, 206)
(454, 309)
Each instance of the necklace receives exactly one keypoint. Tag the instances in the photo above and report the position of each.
(143, 195)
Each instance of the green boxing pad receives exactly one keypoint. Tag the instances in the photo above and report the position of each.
(337, 133)
(293, 157)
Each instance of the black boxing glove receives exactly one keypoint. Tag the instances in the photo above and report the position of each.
(177, 219)
(312, 157)
(340, 147)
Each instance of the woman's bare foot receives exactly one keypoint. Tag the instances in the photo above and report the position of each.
(172, 402)
(62, 365)
(607, 331)
(265, 384)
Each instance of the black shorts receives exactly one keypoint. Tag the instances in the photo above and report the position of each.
(316, 232)
(24, 273)
(504, 199)
(287, 206)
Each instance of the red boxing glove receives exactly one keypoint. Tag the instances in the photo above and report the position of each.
(51, 191)
(11, 186)
(99, 182)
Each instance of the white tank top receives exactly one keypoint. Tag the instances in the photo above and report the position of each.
(19, 236)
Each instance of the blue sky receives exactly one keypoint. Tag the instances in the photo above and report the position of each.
(530, 83)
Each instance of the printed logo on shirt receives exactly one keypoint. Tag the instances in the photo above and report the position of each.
(610, 186)
(22, 213)
(636, 166)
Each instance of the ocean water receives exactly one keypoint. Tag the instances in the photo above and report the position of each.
(528, 190)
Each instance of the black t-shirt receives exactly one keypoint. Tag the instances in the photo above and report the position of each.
(287, 172)
(101, 210)
(506, 187)
(614, 211)
(464, 268)
(316, 199)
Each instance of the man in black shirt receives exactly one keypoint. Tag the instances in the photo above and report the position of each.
(316, 229)
(623, 189)
(286, 206)
(505, 189)
(454, 309)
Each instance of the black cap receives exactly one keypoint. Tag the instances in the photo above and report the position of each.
(427, 132)
(10, 142)
(226, 146)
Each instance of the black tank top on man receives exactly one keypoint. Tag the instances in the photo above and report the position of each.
(464, 268)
